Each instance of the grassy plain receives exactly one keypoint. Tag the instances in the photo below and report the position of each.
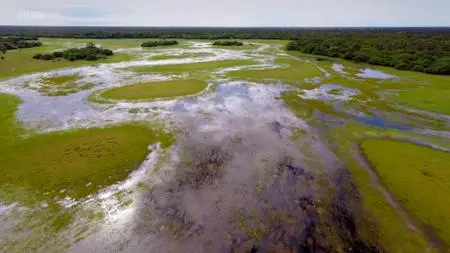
(62, 85)
(181, 56)
(381, 223)
(192, 67)
(305, 108)
(292, 71)
(19, 62)
(425, 98)
(420, 179)
(154, 90)
(106, 43)
(246, 46)
(72, 163)
(411, 89)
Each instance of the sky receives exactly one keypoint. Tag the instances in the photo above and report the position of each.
(290, 13)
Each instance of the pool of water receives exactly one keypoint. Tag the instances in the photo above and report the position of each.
(382, 123)
(371, 73)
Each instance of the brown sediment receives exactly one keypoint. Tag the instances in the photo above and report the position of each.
(409, 219)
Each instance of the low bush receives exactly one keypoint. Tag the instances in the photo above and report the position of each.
(89, 53)
(157, 43)
(228, 43)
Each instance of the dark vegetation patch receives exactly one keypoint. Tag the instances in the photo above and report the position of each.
(88, 53)
(11, 43)
(347, 215)
(401, 50)
(218, 33)
(158, 43)
(291, 218)
(228, 43)
(204, 168)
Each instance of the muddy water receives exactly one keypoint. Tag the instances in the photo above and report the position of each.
(236, 179)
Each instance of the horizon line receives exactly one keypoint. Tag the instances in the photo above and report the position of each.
(206, 26)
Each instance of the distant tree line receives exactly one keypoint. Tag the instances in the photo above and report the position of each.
(11, 43)
(404, 51)
(215, 33)
(89, 53)
(228, 43)
(157, 43)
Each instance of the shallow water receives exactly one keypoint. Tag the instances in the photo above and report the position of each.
(371, 73)
(241, 161)
(325, 92)
(338, 68)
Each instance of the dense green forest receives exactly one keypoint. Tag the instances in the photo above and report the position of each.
(158, 43)
(228, 43)
(419, 49)
(89, 53)
(219, 33)
(404, 51)
(11, 43)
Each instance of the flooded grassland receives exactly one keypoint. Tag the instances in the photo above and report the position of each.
(196, 148)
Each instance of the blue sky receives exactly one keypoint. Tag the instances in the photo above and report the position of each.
(302, 13)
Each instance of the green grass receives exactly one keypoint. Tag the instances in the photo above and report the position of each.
(192, 67)
(425, 98)
(19, 62)
(270, 42)
(181, 56)
(56, 80)
(418, 176)
(61, 85)
(9, 127)
(381, 223)
(296, 71)
(305, 108)
(154, 90)
(73, 163)
(77, 162)
(106, 43)
(247, 46)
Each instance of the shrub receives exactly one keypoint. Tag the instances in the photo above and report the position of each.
(228, 43)
(90, 53)
(107, 52)
(157, 43)
(91, 57)
(37, 56)
(47, 57)
(58, 54)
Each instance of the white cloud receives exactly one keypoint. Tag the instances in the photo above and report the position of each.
(226, 13)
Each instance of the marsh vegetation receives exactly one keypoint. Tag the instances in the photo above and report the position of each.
(134, 144)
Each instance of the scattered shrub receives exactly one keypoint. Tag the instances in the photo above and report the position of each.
(58, 54)
(89, 53)
(11, 43)
(228, 43)
(37, 56)
(46, 57)
(157, 43)
(91, 57)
